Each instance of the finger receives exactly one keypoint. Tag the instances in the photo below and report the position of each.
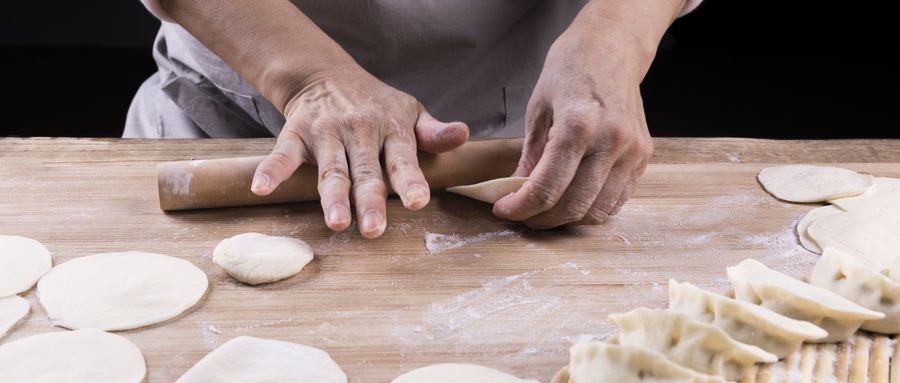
(434, 136)
(629, 189)
(288, 154)
(334, 182)
(588, 182)
(367, 190)
(403, 172)
(617, 190)
(539, 118)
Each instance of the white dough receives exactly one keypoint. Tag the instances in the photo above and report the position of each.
(82, 356)
(871, 234)
(810, 183)
(458, 373)
(894, 272)
(22, 262)
(253, 360)
(599, 362)
(885, 193)
(120, 291)
(802, 226)
(492, 190)
(12, 310)
(255, 258)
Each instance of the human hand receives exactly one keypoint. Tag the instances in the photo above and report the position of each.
(587, 142)
(346, 121)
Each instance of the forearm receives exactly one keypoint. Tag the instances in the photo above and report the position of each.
(270, 43)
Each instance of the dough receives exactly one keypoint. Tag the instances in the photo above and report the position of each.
(249, 360)
(22, 262)
(255, 258)
(894, 272)
(89, 356)
(120, 291)
(802, 226)
(490, 191)
(871, 234)
(12, 310)
(598, 362)
(809, 183)
(885, 193)
(458, 373)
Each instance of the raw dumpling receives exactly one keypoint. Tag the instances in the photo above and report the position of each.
(814, 214)
(810, 183)
(458, 373)
(688, 342)
(870, 234)
(745, 322)
(755, 283)
(490, 191)
(255, 258)
(22, 262)
(845, 275)
(599, 362)
(885, 193)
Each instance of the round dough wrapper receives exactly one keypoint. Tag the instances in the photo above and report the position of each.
(885, 193)
(120, 291)
(490, 191)
(250, 360)
(12, 310)
(89, 356)
(458, 373)
(22, 262)
(814, 214)
(810, 183)
(255, 258)
(871, 234)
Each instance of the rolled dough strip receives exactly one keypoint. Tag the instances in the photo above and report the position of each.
(458, 372)
(810, 183)
(490, 191)
(12, 310)
(22, 262)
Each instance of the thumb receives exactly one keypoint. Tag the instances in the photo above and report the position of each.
(434, 136)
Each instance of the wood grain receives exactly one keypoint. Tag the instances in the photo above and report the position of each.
(448, 283)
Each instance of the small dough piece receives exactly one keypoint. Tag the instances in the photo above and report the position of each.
(120, 291)
(12, 310)
(885, 193)
(871, 234)
(745, 322)
(755, 283)
(848, 277)
(693, 344)
(492, 190)
(810, 183)
(894, 272)
(458, 373)
(22, 262)
(247, 359)
(255, 258)
(600, 362)
(802, 226)
(82, 356)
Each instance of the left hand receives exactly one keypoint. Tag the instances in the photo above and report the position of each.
(587, 142)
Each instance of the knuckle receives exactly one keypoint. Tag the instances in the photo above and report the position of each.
(575, 210)
(543, 196)
(333, 174)
(398, 165)
(595, 216)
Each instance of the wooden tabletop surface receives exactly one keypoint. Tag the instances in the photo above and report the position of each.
(448, 283)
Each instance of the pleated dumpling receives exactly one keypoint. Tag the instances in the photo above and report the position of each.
(755, 283)
(845, 275)
(693, 344)
(598, 362)
(745, 322)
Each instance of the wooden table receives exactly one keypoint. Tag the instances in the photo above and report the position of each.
(449, 283)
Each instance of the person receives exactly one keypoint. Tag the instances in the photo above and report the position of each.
(344, 85)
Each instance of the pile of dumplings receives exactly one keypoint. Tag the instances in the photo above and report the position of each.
(707, 337)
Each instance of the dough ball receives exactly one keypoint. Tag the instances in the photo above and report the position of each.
(490, 191)
(809, 183)
(250, 360)
(82, 356)
(457, 373)
(12, 310)
(255, 258)
(22, 262)
(120, 291)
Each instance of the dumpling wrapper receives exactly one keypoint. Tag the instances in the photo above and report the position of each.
(870, 234)
(12, 310)
(81, 356)
(885, 193)
(755, 283)
(458, 373)
(490, 191)
(848, 277)
(22, 262)
(120, 291)
(802, 226)
(600, 362)
(811, 183)
(688, 342)
(247, 359)
(743, 321)
(255, 258)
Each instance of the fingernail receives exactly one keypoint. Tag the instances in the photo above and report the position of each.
(260, 184)
(372, 224)
(338, 216)
(417, 196)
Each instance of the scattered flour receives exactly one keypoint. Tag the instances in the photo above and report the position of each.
(436, 243)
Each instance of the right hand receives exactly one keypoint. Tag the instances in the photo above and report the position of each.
(346, 121)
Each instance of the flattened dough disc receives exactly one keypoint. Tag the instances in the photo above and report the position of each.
(458, 373)
(810, 183)
(22, 262)
(492, 190)
(803, 225)
(12, 310)
(885, 193)
(872, 234)
(255, 258)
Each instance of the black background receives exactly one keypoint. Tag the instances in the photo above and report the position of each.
(731, 68)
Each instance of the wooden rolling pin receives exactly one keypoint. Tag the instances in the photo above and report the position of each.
(225, 182)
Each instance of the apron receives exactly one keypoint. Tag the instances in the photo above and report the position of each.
(474, 61)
